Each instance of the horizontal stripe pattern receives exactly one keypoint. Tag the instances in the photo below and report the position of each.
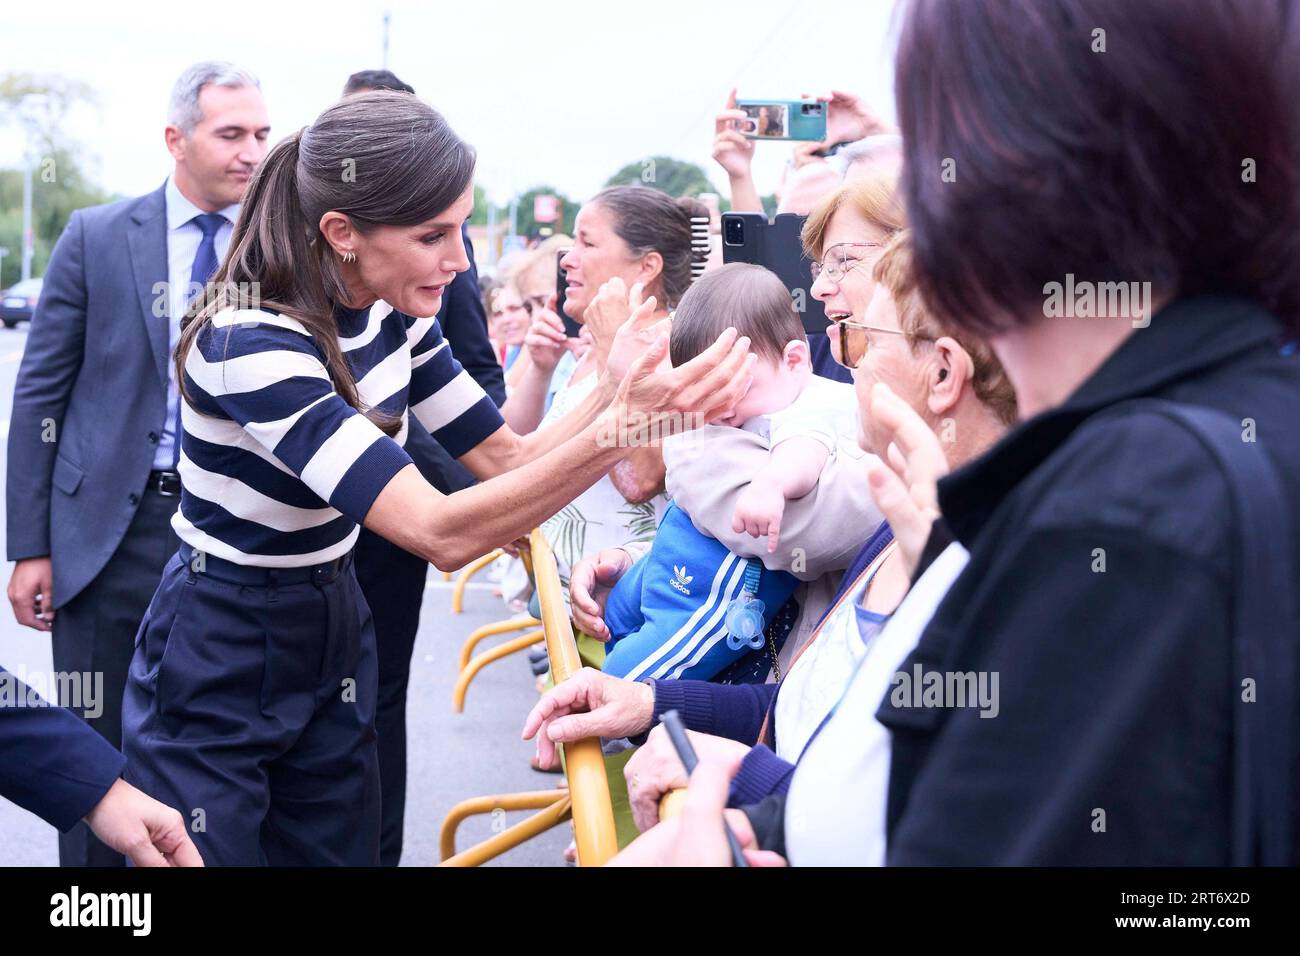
(276, 469)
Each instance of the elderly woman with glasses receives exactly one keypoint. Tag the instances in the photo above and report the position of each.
(882, 331)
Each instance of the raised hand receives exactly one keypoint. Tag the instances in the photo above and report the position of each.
(849, 118)
(905, 485)
(655, 400)
(732, 150)
(613, 309)
(545, 340)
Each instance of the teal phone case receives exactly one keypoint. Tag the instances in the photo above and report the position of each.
(803, 120)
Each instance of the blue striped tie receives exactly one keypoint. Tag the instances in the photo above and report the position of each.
(205, 264)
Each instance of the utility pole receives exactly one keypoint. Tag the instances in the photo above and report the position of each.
(28, 249)
(387, 17)
(492, 234)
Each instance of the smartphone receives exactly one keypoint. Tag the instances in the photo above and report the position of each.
(784, 119)
(572, 328)
(775, 245)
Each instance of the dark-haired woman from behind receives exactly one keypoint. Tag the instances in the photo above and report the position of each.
(1123, 227)
(251, 697)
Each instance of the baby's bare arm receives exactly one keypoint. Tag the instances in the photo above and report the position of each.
(794, 466)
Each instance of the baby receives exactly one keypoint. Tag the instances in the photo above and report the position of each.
(691, 608)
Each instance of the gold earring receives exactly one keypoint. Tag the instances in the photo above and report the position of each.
(349, 256)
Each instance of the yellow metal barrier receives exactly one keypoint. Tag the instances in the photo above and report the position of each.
(554, 805)
(489, 630)
(467, 672)
(471, 669)
(593, 815)
(587, 799)
(471, 569)
(670, 804)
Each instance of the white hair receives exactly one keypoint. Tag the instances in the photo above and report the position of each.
(185, 112)
(868, 150)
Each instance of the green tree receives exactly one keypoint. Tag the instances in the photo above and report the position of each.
(479, 216)
(527, 225)
(676, 177)
(39, 106)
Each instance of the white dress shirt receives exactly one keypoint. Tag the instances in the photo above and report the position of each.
(183, 237)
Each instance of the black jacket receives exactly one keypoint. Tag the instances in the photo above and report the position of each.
(1113, 742)
(464, 326)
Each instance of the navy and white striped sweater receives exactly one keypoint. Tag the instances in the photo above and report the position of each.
(277, 470)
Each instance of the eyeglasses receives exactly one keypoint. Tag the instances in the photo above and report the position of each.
(850, 340)
(837, 267)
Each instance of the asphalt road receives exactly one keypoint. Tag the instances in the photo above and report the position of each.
(451, 757)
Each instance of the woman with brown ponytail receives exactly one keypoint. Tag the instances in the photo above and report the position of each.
(250, 701)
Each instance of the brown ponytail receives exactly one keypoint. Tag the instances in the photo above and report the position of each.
(649, 220)
(407, 167)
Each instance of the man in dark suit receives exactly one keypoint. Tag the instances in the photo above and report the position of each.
(392, 579)
(92, 481)
(56, 767)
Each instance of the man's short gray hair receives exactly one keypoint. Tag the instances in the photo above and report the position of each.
(185, 112)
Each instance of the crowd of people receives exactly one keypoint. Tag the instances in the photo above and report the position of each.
(958, 579)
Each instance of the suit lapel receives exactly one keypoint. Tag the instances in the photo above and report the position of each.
(147, 241)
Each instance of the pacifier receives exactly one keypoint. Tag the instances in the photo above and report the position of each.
(744, 622)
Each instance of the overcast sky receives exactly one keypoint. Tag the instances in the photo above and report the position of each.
(563, 94)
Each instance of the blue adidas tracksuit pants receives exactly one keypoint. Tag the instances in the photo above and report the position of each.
(666, 615)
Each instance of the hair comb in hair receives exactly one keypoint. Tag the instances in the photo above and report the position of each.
(699, 246)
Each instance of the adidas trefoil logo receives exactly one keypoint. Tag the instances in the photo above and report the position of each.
(681, 579)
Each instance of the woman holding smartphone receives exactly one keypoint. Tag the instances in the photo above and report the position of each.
(250, 701)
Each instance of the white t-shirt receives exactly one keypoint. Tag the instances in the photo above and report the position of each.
(817, 680)
(824, 410)
(835, 810)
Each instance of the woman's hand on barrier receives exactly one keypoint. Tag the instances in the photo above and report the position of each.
(655, 769)
(656, 400)
(588, 704)
(904, 486)
(696, 837)
(590, 581)
(546, 340)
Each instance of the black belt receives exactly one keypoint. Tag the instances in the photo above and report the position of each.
(166, 483)
(253, 576)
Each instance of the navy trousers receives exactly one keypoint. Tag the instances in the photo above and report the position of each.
(250, 708)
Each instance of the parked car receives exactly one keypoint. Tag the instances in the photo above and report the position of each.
(18, 302)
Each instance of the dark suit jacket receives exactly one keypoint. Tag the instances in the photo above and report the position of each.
(91, 396)
(51, 762)
(464, 326)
